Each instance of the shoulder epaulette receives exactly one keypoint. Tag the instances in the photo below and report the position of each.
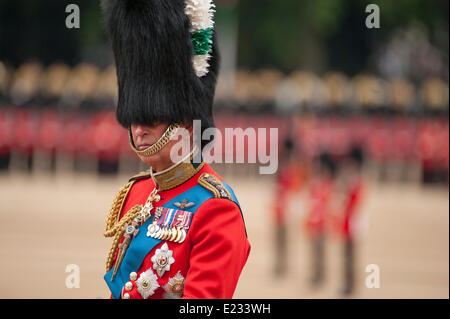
(140, 176)
(214, 185)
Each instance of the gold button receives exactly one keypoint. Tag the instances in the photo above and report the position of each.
(133, 276)
(126, 296)
(128, 286)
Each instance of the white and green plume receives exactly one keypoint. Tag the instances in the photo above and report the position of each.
(201, 17)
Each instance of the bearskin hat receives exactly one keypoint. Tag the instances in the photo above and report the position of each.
(167, 60)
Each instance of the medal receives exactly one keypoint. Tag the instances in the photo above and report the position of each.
(183, 236)
(153, 227)
(147, 284)
(162, 259)
(179, 234)
(158, 233)
(165, 234)
(175, 286)
(173, 234)
(170, 224)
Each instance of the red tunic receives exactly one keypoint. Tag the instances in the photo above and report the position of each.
(321, 193)
(215, 249)
(353, 197)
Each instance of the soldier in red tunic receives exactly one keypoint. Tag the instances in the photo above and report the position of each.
(6, 125)
(321, 196)
(281, 203)
(178, 228)
(353, 187)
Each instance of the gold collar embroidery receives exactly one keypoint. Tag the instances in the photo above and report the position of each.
(178, 173)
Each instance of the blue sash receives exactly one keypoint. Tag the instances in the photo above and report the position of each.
(141, 245)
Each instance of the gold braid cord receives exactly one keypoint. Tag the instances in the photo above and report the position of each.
(158, 145)
(113, 226)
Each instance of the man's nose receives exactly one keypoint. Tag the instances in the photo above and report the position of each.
(139, 130)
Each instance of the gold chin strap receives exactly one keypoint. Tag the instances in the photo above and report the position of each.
(158, 145)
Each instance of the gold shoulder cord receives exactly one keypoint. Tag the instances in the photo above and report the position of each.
(214, 185)
(113, 226)
(116, 207)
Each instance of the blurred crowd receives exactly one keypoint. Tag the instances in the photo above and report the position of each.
(60, 110)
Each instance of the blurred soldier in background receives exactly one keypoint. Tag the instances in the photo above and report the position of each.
(80, 87)
(5, 75)
(352, 186)
(6, 126)
(284, 183)
(24, 137)
(25, 84)
(49, 136)
(5, 119)
(52, 84)
(106, 136)
(432, 139)
(321, 196)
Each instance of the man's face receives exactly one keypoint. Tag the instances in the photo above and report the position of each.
(145, 136)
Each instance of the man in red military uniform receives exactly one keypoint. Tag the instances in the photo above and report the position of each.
(289, 181)
(321, 193)
(6, 125)
(178, 229)
(350, 207)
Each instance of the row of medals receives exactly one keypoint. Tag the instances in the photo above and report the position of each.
(175, 234)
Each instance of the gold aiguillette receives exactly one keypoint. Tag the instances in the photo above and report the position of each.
(130, 231)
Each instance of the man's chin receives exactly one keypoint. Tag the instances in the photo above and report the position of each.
(152, 160)
(143, 148)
